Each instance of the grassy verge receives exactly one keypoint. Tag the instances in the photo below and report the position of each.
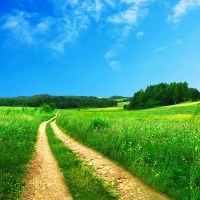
(81, 180)
(154, 144)
(18, 134)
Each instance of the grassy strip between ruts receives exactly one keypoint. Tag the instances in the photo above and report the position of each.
(18, 134)
(81, 180)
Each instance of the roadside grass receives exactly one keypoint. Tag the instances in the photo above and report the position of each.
(18, 134)
(79, 177)
(159, 145)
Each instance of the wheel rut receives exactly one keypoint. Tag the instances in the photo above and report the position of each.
(128, 186)
(44, 180)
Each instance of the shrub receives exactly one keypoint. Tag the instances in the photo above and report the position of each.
(47, 108)
(99, 124)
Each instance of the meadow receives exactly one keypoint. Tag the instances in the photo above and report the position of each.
(80, 178)
(159, 145)
(18, 135)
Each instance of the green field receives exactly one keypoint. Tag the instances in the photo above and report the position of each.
(80, 178)
(18, 134)
(159, 145)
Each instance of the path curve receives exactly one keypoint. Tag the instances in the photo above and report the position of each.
(128, 186)
(44, 179)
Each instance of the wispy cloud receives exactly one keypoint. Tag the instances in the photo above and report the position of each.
(126, 17)
(73, 17)
(115, 65)
(68, 19)
(160, 49)
(140, 34)
(114, 51)
(110, 54)
(182, 8)
(126, 31)
(178, 42)
(111, 3)
(19, 26)
(129, 16)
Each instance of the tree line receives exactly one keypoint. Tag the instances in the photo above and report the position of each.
(162, 94)
(60, 102)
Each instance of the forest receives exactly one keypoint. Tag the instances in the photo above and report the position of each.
(162, 94)
(60, 102)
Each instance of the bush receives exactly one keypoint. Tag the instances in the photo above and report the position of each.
(47, 108)
(125, 107)
(99, 124)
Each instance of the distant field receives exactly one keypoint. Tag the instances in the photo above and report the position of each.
(159, 145)
(121, 104)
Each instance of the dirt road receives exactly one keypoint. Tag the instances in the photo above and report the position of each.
(128, 186)
(44, 179)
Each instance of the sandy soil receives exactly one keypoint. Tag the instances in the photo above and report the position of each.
(44, 180)
(128, 186)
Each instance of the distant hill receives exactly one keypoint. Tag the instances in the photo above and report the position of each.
(120, 98)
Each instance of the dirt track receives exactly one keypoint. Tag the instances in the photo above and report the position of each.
(45, 181)
(128, 186)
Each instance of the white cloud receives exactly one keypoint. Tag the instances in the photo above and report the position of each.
(182, 8)
(111, 3)
(98, 5)
(126, 31)
(115, 65)
(10, 23)
(59, 46)
(20, 27)
(137, 2)
(61, 5)
(178, 41)
(110, 54)
(66, 31)
(140, 34)
(71, 18)
(129, 13)
(167, 4)
(43, 26)
(160, 49)
(18, 24)
(74, 2)
(129, 16)
(98, 9)
(115, 50)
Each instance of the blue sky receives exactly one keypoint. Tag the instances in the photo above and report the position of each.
(97, 47)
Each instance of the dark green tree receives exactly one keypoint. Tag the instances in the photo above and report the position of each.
(193, 94)
(162, 94)
(175, 95)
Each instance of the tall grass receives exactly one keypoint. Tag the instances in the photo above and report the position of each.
(18, 134)
(80, 178)
(155, 144)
